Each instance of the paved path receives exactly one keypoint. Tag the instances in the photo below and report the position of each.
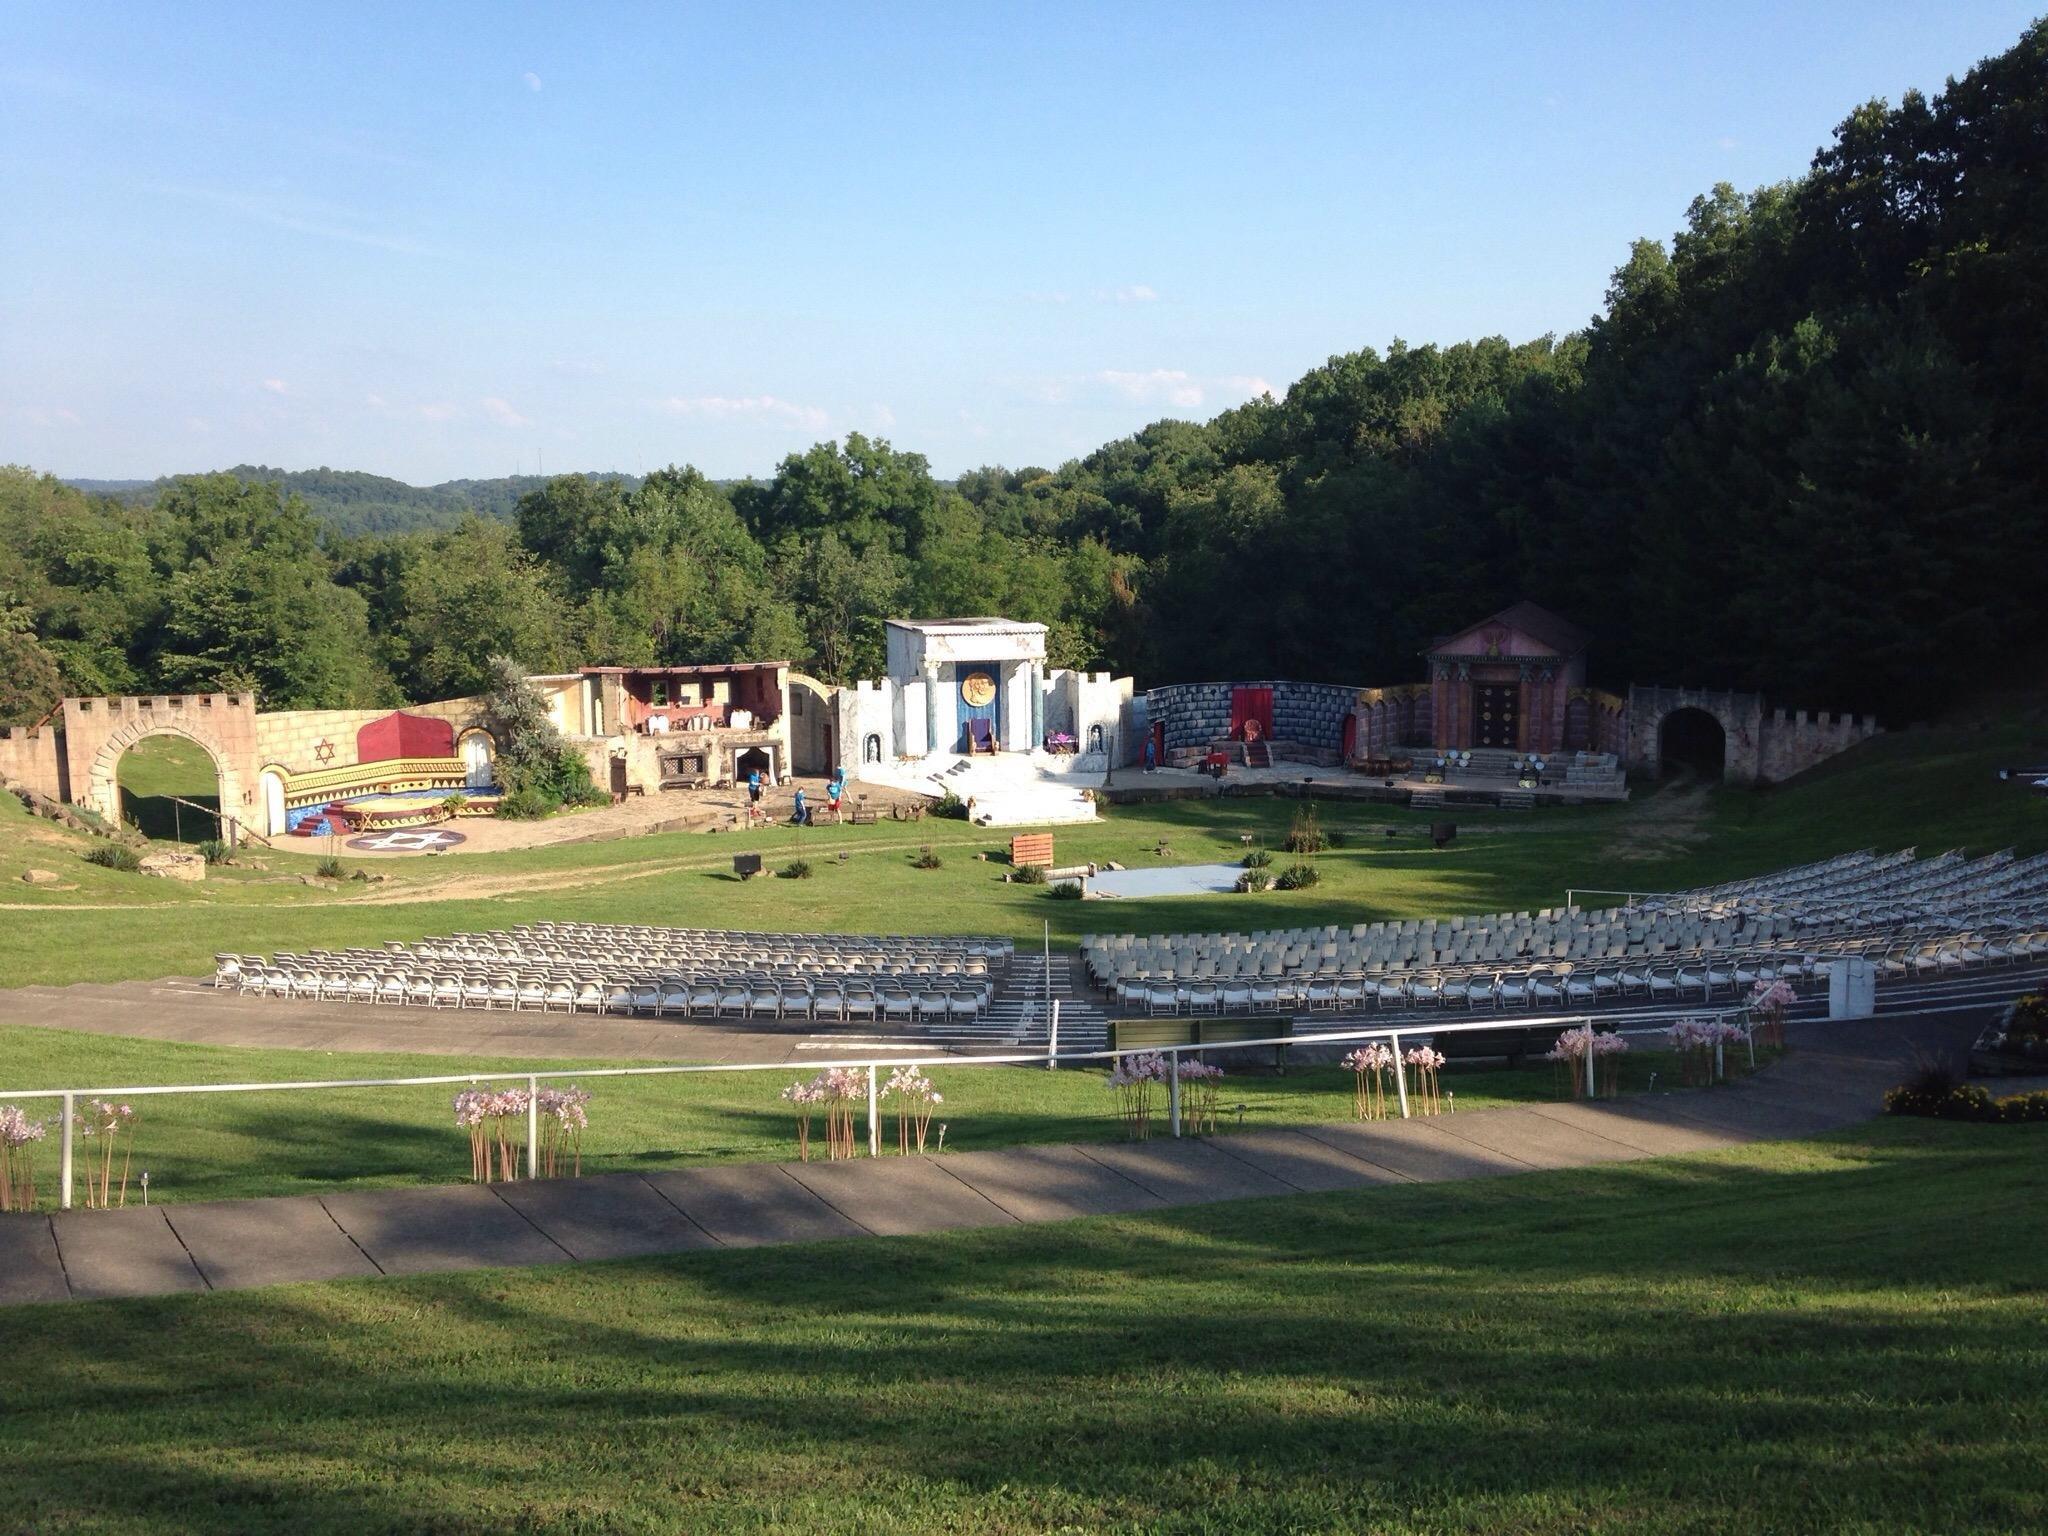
(229, 1245)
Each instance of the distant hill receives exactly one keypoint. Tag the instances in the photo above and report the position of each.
(352, 502)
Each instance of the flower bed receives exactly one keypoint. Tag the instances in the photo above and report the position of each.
(1571, 1051)
(2017, 1043)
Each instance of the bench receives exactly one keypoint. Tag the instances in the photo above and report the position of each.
(1199, 1032)
(1515, 1043)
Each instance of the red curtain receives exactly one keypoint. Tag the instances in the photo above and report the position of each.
(1251, 704)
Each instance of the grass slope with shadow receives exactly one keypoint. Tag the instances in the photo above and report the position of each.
(1843, 1334)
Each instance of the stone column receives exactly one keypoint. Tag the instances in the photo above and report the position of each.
(1034, 676)
(931, 707)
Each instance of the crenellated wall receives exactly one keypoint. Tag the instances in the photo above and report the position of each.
(1793, 743)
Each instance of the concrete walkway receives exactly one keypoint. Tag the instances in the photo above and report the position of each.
(231, 1245)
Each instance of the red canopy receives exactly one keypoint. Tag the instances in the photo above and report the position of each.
(401, 735)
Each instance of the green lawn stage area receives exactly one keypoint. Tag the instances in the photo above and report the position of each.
(1933, 789)
(1844, 1334)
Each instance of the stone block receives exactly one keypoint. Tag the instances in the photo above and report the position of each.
(174, 866)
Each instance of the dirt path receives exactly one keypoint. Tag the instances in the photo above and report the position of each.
(1663, 825)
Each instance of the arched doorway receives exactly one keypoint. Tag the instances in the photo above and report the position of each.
(169, 787)
(1692, 741)
(479, 760)
(270, 782)
(812, 749)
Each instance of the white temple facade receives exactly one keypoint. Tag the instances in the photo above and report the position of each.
(979, 689)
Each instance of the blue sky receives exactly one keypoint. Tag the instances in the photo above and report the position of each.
(450, 240)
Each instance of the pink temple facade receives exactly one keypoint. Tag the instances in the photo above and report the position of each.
(1508, 682)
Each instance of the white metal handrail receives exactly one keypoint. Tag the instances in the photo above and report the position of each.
(1391, 1034)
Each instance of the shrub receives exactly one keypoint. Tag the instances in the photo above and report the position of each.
(214, 851)
(114, 856)
(1298, 877)
(532, 757)
(796, 869)
(1066, 890)
(1028, 874)
(525, 805)
(1339, 839)
(1254, 880)
(330, 868)
(454, 806)
(926, 859)
(951, 806)
(1258, 858)
(1306, 834)
(1969, 1101)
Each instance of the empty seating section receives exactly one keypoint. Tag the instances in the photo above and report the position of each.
(663, 972)
(1910, 916)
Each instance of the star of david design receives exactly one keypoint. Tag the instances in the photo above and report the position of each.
(323, 750)
(405, 842)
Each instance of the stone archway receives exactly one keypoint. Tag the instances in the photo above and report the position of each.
(103, 784)
(1692, 740)
(812, 750)
(1738, 715)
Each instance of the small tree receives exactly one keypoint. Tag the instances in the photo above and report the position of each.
(534, 762)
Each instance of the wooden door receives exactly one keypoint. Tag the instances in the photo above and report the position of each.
(1494, 706)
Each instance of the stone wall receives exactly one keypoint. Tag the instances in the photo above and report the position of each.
(1196, 714)
(1794, 743)
(75, 754)
(291, 738)
(1390, 719)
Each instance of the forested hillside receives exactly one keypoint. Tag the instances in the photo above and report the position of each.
(350, 502)
(1800, 449)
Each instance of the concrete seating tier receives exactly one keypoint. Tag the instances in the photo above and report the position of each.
(661, 972)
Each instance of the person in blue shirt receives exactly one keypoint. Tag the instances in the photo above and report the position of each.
(802, 818)
(835, 790)
(753, 786)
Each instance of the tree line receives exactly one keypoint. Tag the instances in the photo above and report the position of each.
(1799, 450)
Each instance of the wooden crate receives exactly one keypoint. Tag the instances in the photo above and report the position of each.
(1031, 848)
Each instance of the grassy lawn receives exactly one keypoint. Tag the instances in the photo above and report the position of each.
(1843, 1334)
(1928, 788)
(212, 1147)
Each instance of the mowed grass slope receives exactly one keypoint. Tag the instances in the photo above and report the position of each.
(1839, 1335)
(1933, 789)
(226, 1146)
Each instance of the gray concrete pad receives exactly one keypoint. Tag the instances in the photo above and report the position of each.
(747, 1204)
(1304, 1162)
(1536, 1139)
(458, 1226)
(130, 1252)
(30, 1269)
(894, 1195)
(616, 1216)
(1649, 1128)
(1415, 1149)
(238, 1243)
(1049, 1183)
(1186, 1172)
(1757, 1118)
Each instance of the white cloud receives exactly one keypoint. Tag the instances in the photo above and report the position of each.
(198, 424)
(439, 410)
(276, 386)
(881, 415)
(1726, 142)
(502, 413)
(305, 216)
(1136, 293)
(1250, 385)
(746, 407)
(376, 402)
(1174, 386)
(576, 367)
(532, 80)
